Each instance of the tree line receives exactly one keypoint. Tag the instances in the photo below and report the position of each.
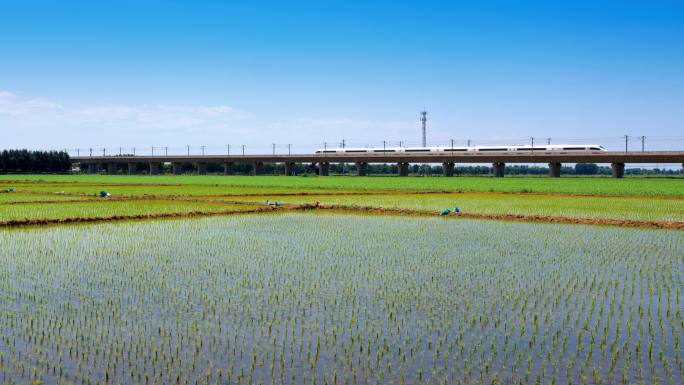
(240, 168)
(25, 161)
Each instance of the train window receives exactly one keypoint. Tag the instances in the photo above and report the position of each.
(383, 151)
(329, 151)
(356, 151)
(573, 148)
(594, 148)
(493, 149)
(420, 150)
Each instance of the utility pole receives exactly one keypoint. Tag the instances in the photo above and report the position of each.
(104, 150)
(289, 152)
(166, 151)
(548, 141)
(243, 150)
(133, 151)
(468, 142)
(202, 150)
(383, 146)
(78, 152)
(152, 150)
(188, 146)
(626, 141)
(119, 151)
(91, 152)
(423, 120)
(452, 147)
(273, 148)
(532, 138)
(343, 143)
(228, 149)
(643, 139)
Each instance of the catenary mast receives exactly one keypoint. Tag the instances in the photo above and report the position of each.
(423, 119)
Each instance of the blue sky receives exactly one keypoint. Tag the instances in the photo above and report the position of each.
(175, 73)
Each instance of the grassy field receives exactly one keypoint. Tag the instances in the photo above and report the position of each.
(208, 184)
(340, 299)
(75, 196)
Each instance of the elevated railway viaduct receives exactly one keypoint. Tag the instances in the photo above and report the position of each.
(554, 159)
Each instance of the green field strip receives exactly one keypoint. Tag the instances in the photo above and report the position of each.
(628, 208)
(103, 208)
(569, 185)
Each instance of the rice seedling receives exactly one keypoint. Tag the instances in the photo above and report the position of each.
(335, 299)
(104, 208)
(629, 208)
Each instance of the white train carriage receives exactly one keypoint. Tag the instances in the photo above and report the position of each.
(513, 148)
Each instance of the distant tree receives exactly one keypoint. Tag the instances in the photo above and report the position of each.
(34, 161)
(586, 169)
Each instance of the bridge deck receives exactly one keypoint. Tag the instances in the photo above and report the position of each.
(389, 157)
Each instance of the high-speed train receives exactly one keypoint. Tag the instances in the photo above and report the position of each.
(551, 147)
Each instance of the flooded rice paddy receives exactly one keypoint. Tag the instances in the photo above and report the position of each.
(340, 299)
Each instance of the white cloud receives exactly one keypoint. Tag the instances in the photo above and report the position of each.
(156, 117)
(43, 123)
(12, 105)
(36, 119)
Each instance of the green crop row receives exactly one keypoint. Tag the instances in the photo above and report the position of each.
(587, 185)
(157, 190)
(105, 208)
(18, 204)
(629, 208)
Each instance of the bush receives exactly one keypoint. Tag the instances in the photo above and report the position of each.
(586, 169)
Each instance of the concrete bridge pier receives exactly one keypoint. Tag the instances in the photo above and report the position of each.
(177, 168)
(618, 170)
(202, 168)
(498, 169)
(323, 169)
(111, 168)
(554, 169)
(448, 168)
(403, 168)
(290, 168)
(154, 168)
(258, 168)
(362, 168)
(227, 168)
(132, 168)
